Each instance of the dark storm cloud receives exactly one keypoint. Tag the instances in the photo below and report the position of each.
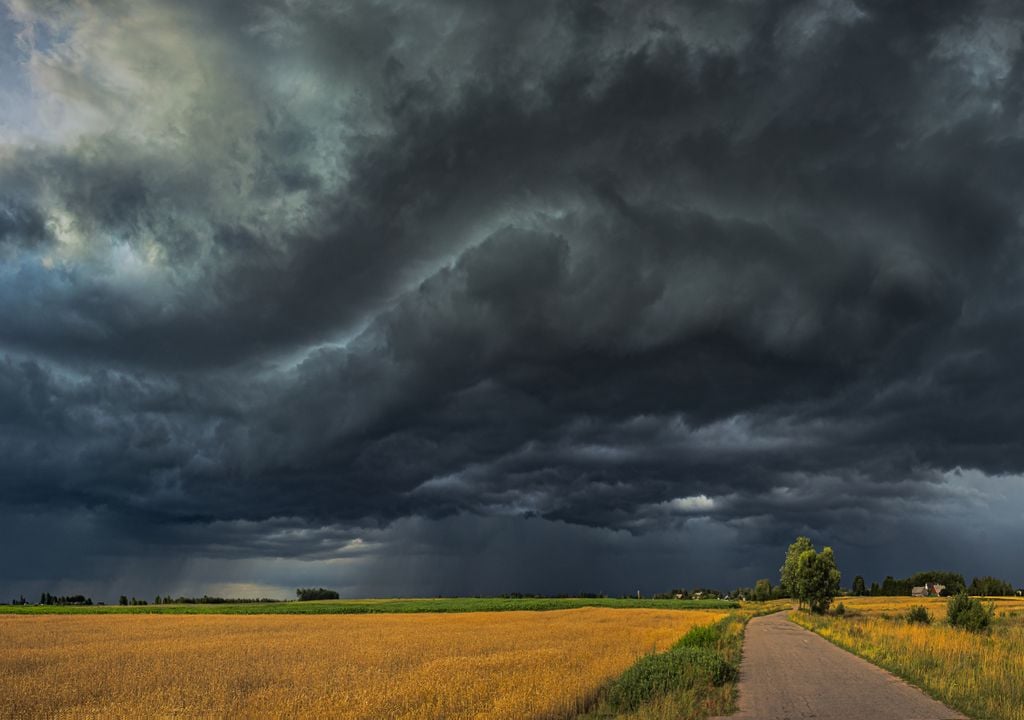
(340, 282)
(20, 226)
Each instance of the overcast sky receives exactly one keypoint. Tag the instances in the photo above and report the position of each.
(472, 297)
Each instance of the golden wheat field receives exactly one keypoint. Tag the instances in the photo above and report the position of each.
(475, 665)
(936, 606)
(979, 674)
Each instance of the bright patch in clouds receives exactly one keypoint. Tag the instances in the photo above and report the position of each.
(695, 503)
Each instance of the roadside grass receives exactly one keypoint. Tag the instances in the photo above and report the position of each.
(694, 679)
(397, 605)
(979, 674)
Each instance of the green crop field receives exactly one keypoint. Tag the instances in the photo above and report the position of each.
(326, 607)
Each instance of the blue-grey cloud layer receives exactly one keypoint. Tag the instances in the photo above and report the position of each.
(365, 285)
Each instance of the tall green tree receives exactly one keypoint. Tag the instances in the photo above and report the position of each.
(858, 586)
(787, 573)
(817, 579)
(762, 590)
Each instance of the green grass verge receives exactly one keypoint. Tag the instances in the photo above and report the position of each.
(343, 607)
(694, 678)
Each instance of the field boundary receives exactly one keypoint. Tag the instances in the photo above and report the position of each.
(370, 606)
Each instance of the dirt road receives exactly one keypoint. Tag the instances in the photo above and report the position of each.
(789, 673)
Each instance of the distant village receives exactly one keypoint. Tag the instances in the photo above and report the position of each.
(935, 583)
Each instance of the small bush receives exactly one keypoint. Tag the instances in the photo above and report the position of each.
(840, 609)
(968, 613)
(918, 614)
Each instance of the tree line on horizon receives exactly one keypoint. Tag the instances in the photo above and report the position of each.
(204, 600)
(48, 599)
(813, 578)
(986, 586)
(806, 575)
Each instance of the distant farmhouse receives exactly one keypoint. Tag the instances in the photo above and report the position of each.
(929, 589)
